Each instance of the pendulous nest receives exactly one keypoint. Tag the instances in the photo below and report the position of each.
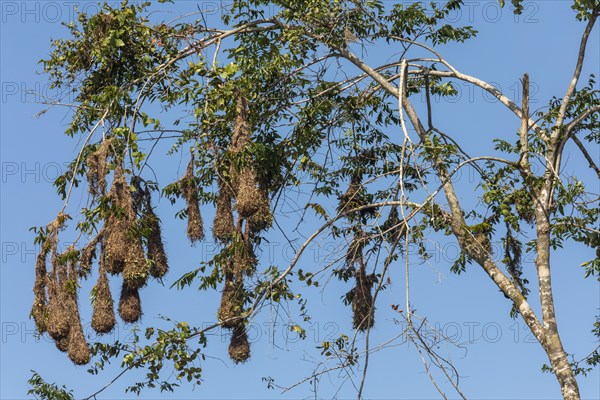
(231, 302)
(195, 226)
(223, 227)
(39, 311)
(136, 267)
(244, 259)
(239, 347)
(123, 249)
(248, 199)
(156, 249)
(59, 316)
(77, 349)
(362, 303)
(130, 305)
(97, 167)
(103, 316)
(263, 218)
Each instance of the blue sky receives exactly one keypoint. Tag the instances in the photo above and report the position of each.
(497, 357)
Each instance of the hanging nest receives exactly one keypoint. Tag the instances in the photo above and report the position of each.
(263, 218)
(189, 188)
(130, 305)
(119, 224)
(156, 249)
(231, 301)
(59, 314)
(244, 259)
(223, 227)
(355, 250)
(136, 267)
(241, 127)
(39, 311)
(239, 347)
(248, 200)
(97, 167)
(103, 316)
(363, 307)
(151, 224)
(77, 349)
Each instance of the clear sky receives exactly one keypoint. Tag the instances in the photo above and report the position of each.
(497, 357)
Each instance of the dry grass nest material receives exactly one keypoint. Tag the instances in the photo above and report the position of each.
(231, 302)
(130, 305)
(223, 227)
(103, 316)
(195, 227)
(239, 347)
(362, 303)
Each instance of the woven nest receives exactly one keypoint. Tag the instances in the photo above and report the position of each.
(156, 249)
(355, 250)
(223, 227)
(241, 127)
(263, 218)
(136, 268)
(239, 347)
(195, 227)
(59, 314)
(103, 316)
(39, 311)
(248, 200)
(78, 349)
(244, 259)
(231, 302)
(130, 306)
(362, 303)
(97, 167)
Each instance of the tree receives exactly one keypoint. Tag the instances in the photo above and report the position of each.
(255, 126)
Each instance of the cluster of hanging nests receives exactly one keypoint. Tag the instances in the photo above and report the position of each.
(239, 191)
(363, 307)
(122, 252)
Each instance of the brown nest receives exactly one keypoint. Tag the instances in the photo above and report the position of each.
(119, 225)
(39, 311)
(156, 249)
(97, 167)
(130, 306)
(244, 259)
(231, 302)
(263, 218)
(223, 227)
(195, 227)
(355, 250)
(248, 200)
(77, 349)
(362, 303)
(59, 314)
(239, 347)
(241, 126)
(103, 316)
(136, 267)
